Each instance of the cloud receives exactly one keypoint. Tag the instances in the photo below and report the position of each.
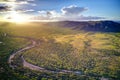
(22, 2)
(79, 18)
(53, 14)
(7, 0)
(18, 2)
(16, 5)
(4, 8)
(25, 11)
(29, 10)
(73, 13)
(73, 10)
(90, 18)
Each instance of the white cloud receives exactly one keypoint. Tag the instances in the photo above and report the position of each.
(42, 13)
(30, 0)
(73, 13)
(29, 10)
(18, 2)
(22, 2)
(53, 14)
(73, 10)
(25, 11)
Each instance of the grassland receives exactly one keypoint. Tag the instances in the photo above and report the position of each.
(7, 46)
(95, 54)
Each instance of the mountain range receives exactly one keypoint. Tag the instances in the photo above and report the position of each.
(95, 26)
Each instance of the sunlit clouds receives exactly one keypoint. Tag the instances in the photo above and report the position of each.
(45, 10)
(12, 14)
(69, 13)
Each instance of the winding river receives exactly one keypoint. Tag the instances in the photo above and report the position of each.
(32, 66)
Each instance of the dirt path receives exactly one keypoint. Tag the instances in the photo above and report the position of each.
(37, 68)
(21, 50)
(32, 66)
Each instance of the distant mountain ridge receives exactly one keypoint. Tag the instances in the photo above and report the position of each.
(96, 26)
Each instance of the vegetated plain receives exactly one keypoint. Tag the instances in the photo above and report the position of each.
(91, 48)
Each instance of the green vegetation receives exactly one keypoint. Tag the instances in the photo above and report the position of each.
(7, 46)
(95, 54)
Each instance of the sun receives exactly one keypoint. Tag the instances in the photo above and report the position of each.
(13, 15)
(16, 17)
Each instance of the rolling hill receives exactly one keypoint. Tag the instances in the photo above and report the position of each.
(91, 48)
(96, 26)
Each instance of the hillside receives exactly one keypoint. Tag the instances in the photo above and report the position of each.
(73, 50)
(96, 26)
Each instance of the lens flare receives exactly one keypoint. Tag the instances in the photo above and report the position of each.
(13, 15)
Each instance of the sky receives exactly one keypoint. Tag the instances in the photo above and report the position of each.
(60, 10)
